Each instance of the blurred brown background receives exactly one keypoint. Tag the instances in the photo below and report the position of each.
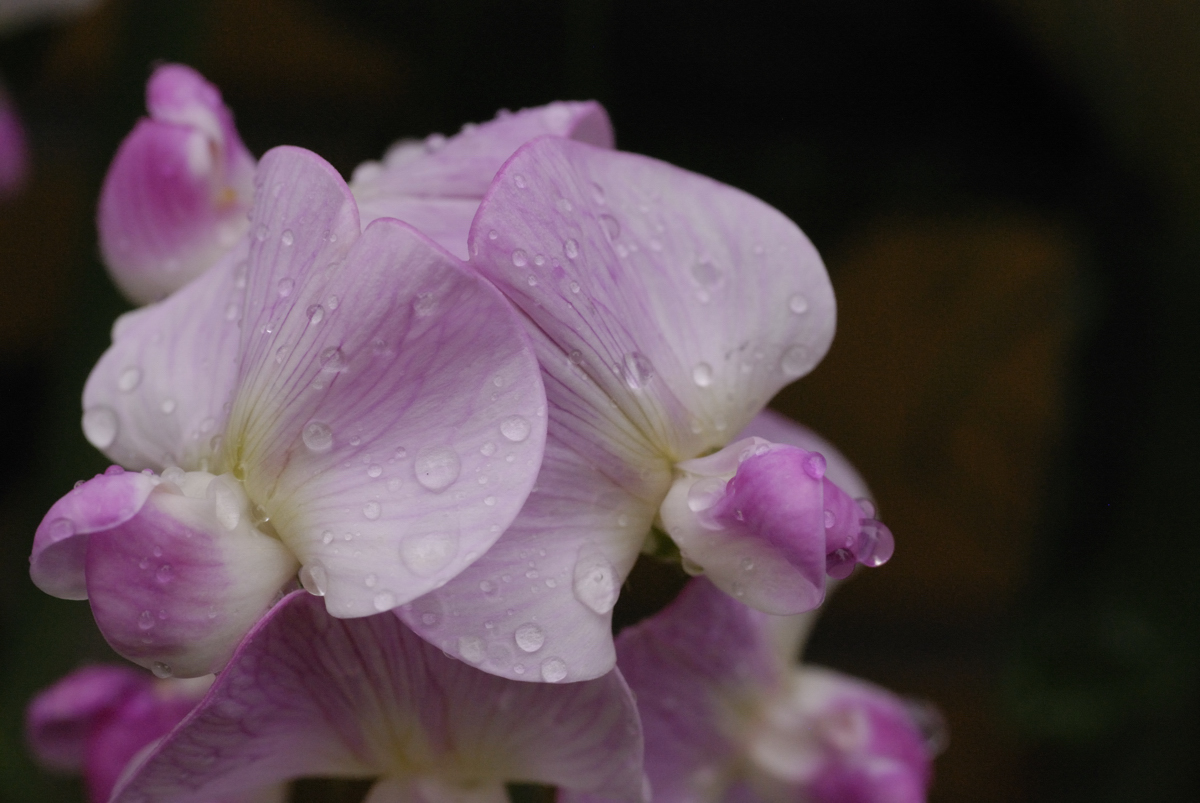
(1007, 195)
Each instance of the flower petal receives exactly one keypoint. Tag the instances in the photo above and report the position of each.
(771, 426)
(14, 152)
(60, 544)
(686, 302)
(391, 416)
(309, 694)
(176, 195)
(158, 395)
(175, 587)
(60, 718)
(679, 664)
(545, 591)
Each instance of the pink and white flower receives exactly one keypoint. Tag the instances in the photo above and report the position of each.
(728, 718)
(353, 403)
(666, 309)
(307, 694)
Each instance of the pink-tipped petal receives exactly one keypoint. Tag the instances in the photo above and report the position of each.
(752, 517)
(60, 544)
(175, 587)
(391, 416)
(308, 694)
(771, 426)
(176, 195)
(542, 597)
(14, 152)
(60, 719)
(158, 397)
(656, 296)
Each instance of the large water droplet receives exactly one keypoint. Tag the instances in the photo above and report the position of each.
(426, 554)
(814, 465)
(332, 360)
(638, 370)
(516, 428)
(798, 304)
(705, 493)
(437, 468)
(130, 378)
(472, 649)
(529, 637)
(372, 510)
(796, 361)
(100, 426)
(317, 436)
(374, 471)
(612, 229)
(554, 670)
(571, 248)
(313, 578)
(161, 670)
(702, 374)
(595, 583)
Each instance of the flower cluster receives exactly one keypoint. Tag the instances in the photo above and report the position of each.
(453, 401)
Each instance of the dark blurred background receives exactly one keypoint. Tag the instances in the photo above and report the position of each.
(1007, 195)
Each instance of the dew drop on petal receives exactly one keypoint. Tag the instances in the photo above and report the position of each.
(437, 468)
(146, 620)
(426, 554)
(472, 649)
(516, 428)
(285, 287)
(598, 194)
(313, 577)
(595, 583)
(705, 493)
(374, 470)
(612, 229)
(575, 287)
(327, 537)
(317, 436)
(100, 426)
(493, 234)
(814, 465)
(707, 274)
(385, 601)
(798, 304)
(161, 670)
(702, 374)
(638, 370)
(795, 361)
(830, 519)
(554, 670)
(571, 248)
(488, 449)
(231, 311)
(520, 258)
(316, 314)
(529, 637)
(332, 360)
(371, 510)
(130, 378)
(519, 180)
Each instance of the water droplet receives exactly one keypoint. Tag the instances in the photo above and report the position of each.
(798, 304)
(595, 583)
(707, 274)
(492, 235)
(313, 577)
(795, 361)
(814, 465)
(702, 374)
(638, 370)
(426, 554)
(830, 519)
(612, 229)
(130, 378)
(532, 280)
(100, 426)
(332, 360)
(575, 287)
(161, 670)
(374, 470)
(157, 551)
(167, 406)
(287, 239)
(488, 449)
(231, 311)
(317, 436)
(571, 248)
(385, 601)
(285, 287)
(371, 510)
(554, 670)
(747, 565)
(435, 142)
(490, 501)
(867, 507)
(705, 493)
(529, 637)
(437, 468)
(519, 180)
(598, 194)
(261, 233)
(516, 428)
(332, 302)
(327, 537)
(423, 304)
(520, 258)
(145, 620)
(472, 649)
(281, 354)
(61, 528)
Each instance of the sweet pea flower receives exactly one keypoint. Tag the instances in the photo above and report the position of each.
(14, 152)
(98, 718)
(307, 694)
(728, 718)
(353, 403)
(666, 309)
(175, 198)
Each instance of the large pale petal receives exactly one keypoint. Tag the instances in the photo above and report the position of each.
(308, 694)
(669, 304)
(390, 418)
(158, 397)
(538, 605)
(463, 166)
